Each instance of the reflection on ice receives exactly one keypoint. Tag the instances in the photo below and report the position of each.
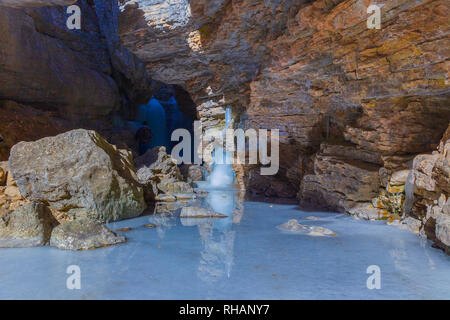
(217, 254)
(241, 257)
(216, 235)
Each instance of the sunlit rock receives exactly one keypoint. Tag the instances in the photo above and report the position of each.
(320, 231)
(185, 196)
(365, 211)
(13, 192)
(399, 177)
(443, 228)
(429, 187)
(160, 175)
(165, 198)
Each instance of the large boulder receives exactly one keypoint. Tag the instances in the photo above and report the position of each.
(428, 193)
(80, 174)
(443, 229)
(339, 183)
(192, 172)
(28, 226)
(82, 235)
(159, 172)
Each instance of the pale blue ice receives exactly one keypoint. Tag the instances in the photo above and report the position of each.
(241, 257)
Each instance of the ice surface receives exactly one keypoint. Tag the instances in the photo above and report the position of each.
(242, 257)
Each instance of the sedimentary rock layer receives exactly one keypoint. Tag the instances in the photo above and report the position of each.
(311, 69)
(64, 78)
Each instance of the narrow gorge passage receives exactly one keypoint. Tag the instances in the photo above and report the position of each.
(226, 149)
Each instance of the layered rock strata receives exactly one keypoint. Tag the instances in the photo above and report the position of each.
(158, 172)
(66, 78)
(353, 105)
(311, 69)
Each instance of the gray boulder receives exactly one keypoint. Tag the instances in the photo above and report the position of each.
(80, 174)
(159, 172)
(83, 235)
(192, 172)
(196, 212)
(399, 177)
(28, 226)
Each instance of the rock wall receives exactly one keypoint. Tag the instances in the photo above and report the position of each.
(353, 105)
(427, 194)
(80, 175)
(311, 69)
(45, 63)
(67, 78)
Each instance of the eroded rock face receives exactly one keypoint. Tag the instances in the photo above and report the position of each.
(70, 71)
(315, 231)
(311, 69)
(428, 199)
(192, 172)
(160, 175)
(80, 174)
(338, 183)
(354, 106)
(82, 235)
(77, 78)
(30, 225)
(443, 229)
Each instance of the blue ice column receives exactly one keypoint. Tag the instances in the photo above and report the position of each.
(222, 174)
(155, 116)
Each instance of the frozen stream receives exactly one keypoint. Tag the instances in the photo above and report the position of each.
(242, 257)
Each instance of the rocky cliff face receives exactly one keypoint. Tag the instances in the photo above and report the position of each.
(427, 194)
(311, 69)
(353, 105)
(63, 78)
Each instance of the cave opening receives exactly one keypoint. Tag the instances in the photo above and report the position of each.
(169, 109)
